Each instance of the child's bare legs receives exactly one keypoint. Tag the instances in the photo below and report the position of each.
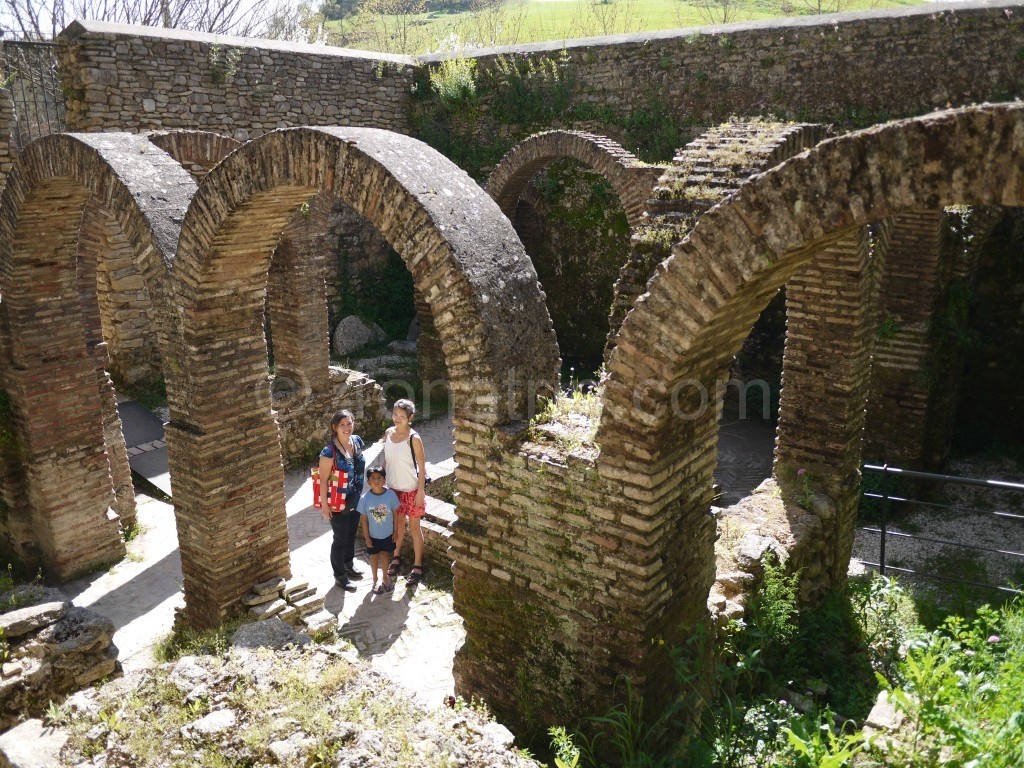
(374, 558)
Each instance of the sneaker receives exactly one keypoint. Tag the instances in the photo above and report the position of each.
(353, 574)
(345, 585)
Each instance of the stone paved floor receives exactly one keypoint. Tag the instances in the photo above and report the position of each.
(410, 634)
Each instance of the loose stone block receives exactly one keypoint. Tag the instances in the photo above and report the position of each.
(266, 610)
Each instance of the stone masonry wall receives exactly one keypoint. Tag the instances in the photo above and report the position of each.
(649, 89)
(546, 577)
(130, 78)
(893, 63)
(7, 122)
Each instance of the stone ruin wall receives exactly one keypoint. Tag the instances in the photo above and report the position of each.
(530, 497)
(893, 63)
(138, 79)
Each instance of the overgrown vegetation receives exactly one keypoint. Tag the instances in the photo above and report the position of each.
(149, 393)
(383, 295)
(571, 417)
(187, 642)
(793, 689)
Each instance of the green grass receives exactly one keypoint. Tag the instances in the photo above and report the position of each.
(527, 21)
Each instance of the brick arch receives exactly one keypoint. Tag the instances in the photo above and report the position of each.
(197, 151)
(53, 366)
(800, 216)
(464, 257)
(631, 179)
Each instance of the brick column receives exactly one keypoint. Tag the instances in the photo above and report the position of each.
(825, 377)
(52, 380)
(297, 298)
(96, 225)
(429, 354)
(916, 372)
(229, 508)
(897, 414)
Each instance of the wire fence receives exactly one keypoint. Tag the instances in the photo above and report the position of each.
(890, 493)
(31, 78)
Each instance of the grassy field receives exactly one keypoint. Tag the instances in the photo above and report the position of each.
(526, 21)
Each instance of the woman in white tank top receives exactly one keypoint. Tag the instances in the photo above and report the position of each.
(406, 474)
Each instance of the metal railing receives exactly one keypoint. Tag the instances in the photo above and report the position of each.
(28, 71)
(886, 498)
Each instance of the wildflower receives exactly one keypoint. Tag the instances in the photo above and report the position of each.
(993, 638)
(968, 652)
(801, 472)
(783, 703)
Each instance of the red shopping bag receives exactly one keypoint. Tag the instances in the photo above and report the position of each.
(337, 485)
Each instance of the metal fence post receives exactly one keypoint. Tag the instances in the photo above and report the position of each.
(885, 518)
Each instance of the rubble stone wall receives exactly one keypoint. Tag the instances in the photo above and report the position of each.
(130, 78)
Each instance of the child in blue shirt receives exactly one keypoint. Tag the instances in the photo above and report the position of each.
(377, 510)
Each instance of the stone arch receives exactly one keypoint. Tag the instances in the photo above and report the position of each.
(53, 371)
(631, 179)
(464, 257)
(197, 151)
(126, 308)
(594, 253)
(802, 215)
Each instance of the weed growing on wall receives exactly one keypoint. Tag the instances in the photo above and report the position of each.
(651, 132)
(223, 62)
(454, 81)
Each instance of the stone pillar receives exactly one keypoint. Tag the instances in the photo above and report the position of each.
(91, 252)
(931, 265)
(429, 354)
(117, 451)
(897, 414)
(826, 371)
(229, 509)
(52, 383)
(297, 299)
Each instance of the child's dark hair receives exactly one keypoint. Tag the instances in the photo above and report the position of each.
(375, 470)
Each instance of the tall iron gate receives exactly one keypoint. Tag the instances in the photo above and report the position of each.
(29, 75)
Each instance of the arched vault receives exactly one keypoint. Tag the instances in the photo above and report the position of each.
(464, 257)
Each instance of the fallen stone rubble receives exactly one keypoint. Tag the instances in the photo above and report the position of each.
(52, 649)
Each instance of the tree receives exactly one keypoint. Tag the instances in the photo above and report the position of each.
(825, 6)
(718, 11)
(392, 24)
(612, 17)
(44, 19)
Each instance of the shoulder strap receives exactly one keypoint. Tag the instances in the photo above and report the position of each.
(415, 466)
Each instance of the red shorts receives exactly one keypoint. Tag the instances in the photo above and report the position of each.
(407, 504)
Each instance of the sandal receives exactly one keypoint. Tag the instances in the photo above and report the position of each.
(385, 588)
(378, 589)
(415, 575)
(394, 565)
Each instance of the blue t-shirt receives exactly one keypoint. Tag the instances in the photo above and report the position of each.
(356, 468)
(379, 512)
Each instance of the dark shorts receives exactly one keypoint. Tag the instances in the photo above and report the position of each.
(381, 545)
